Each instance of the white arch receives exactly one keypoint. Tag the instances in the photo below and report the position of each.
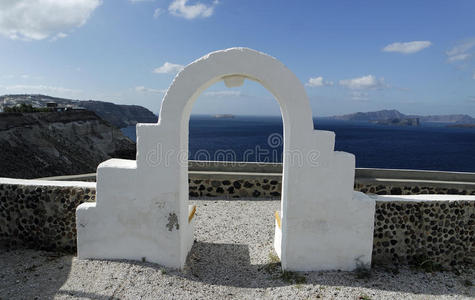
(141, 208)
(252, 65)
(247, 63)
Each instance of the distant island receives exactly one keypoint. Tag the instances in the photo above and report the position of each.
(224, 116)
(399, 122)
(462, 125)
(118, 115)
(394, 117)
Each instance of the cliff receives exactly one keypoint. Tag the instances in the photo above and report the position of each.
(45, 144)
(117, 114)
(120, 115)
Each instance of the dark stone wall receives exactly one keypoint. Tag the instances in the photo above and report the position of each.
(270, 186)
(405, 232)
(418, 232)
(246, 187)
(411, 188)
(40, 217)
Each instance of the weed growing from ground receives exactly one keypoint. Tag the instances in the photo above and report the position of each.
(362, 271)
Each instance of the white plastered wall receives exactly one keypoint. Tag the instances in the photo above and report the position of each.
(142, 212)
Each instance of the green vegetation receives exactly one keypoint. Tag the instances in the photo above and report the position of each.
(274, 267)
(362, 271)
(25, 108)
(293, 277)
(274, 258)
(424, 264)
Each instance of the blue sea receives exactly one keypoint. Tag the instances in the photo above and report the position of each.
(243, 138)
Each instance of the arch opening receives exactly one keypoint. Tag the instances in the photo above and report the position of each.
(236, 144)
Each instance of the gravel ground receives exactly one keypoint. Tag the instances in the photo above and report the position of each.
(231, 258)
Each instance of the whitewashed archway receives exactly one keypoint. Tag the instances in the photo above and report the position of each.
(142, 211)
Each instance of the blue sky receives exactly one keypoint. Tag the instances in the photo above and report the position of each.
(414, 56)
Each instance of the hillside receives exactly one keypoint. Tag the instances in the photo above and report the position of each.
(371, 116)
(118, 115)
(45, 144)
(394, 114)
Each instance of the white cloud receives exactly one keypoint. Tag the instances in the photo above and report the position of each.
(458, 57)
(58, 36)
(317, 81)
(359, 95)
(168, 68)
(225, 93)
(38, 89)
(407, 47)
(142, 89)
(20, 77)
(157, 12)
(61, 35)
(181, 8)
(40, 19)
(364, 82)
(461, 51)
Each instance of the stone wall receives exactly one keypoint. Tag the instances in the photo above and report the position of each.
(234, 186)
(418, 230)
(408, 229)
(268, 186)
(264, 180)
(41, 214)
(369, 186)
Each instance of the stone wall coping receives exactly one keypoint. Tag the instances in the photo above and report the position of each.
(422, 198)
(423, 175)
(259, 167)
(253, 168)
(456, 180)
(37, 182)
(219, 175)
(79, 177)
(463, 185)
(228, 166)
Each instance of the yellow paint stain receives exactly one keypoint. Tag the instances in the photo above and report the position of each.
(277, 218)
(192, 214)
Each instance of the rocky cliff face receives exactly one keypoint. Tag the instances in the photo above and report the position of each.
(120, 115)
(36, 145)
(116, 114)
